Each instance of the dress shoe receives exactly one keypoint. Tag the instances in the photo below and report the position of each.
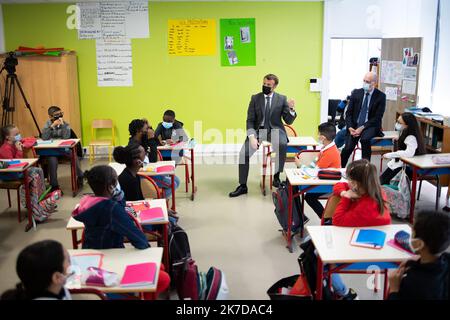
(242, 189)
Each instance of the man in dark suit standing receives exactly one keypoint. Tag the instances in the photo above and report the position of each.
(265, 113)
(363, 118)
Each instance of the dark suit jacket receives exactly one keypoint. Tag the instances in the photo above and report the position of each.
(377, 106)
(279, 110)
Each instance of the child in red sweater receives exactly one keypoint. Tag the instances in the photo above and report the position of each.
(329, 157)
(362, 204)
(11, 145)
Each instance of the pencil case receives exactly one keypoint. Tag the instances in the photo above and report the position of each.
(329, 175)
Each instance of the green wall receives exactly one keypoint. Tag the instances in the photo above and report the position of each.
(289, 44)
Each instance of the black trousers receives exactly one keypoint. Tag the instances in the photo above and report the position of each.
(279, 146)
(366, 147)
(388, 174)
(312, 199)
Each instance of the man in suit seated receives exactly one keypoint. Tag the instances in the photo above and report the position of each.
(363, 118)
(265, 114)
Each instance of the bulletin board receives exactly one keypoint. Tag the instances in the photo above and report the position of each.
(237, 42)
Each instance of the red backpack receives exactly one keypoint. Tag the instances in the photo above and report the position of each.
(187, 281)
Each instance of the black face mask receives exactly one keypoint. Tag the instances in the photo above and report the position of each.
(266, 90)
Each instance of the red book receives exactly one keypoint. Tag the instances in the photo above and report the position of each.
(165, 169)
(136, 275)
(66, 143)
(152, 215)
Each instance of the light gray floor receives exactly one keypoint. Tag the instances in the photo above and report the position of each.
(239, 236)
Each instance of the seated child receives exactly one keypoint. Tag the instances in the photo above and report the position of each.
(171, 131)
(429, 277)
(57, 128)
(139, 134)
(329, 157)
(362, 204)
(106, 221)
(12, 148)
(42, 270)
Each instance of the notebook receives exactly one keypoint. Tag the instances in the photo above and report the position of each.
(140, 206)
(441, 159)
(17, 165)
(165, 169)
(66, 143)
(39, 141)
(136, 275)
(368, 238)
(152, 215)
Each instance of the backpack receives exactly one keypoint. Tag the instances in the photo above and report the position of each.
(308, 263)
(187, 280)
(398, 195)
(216, 285)
(179, 249)
(280, 200)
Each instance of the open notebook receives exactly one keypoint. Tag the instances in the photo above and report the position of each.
(137, 275)
(152, 215)
(368, 238)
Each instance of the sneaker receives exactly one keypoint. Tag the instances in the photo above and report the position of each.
(351, 295)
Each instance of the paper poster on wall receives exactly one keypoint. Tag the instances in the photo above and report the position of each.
(409, 87)
(113, 19)
(238, 42)
(410, 73)
(114, 63)
(391, 93)
(407, 54)
(391, 72)
(192, 37)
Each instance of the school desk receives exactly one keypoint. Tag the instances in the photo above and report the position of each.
(295, 145)
(74, 226)
(333, 247)
(116, 260)
(21, 174)
(54, 148)
(423, 165)
(302, 184)
(166, 150)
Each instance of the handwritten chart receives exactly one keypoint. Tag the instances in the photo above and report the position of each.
(191, 37)
(114, 63)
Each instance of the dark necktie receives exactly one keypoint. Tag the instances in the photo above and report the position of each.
(267, 114)
(363, 112)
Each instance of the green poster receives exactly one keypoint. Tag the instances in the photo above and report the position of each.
(237, 42)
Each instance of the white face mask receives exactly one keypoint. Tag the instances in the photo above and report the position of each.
(415, 250)
(398, 126)
(366, 87)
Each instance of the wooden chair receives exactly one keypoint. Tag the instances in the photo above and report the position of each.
(184, 162)
(85, 293)
(13, 185)
(290, 131)
(149, 188)
(101, 124)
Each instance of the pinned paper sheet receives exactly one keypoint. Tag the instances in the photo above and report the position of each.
(114, 63)
(410, 73)
(409, 87)
(192, 37)
(391, 72)
(391, 93)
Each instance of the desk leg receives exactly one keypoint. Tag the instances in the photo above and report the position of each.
(28, 200)
(172, 186)
(289, 231)
(166, 245)
(386, 285)
(74, 239)
(264, 168)
(194, 188)
(73, 165)
(148, 296)
(413, 195)
(319, 281)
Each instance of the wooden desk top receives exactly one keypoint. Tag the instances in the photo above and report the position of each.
(55, 144)
(295, 177)
(426, 161)
(183, 145)
(388, 135)
(31, 162)
(116, 260)
(339, 250)
(120, 167)
(73, 224)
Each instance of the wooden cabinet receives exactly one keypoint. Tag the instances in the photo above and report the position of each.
(46, 81)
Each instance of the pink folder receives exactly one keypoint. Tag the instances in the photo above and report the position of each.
(66, 143)
(141, 274)
(165, 169)
(152, 215)
(18, 165)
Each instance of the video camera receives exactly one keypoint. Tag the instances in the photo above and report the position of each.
(10, 63)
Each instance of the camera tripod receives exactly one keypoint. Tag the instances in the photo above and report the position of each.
(9, 99)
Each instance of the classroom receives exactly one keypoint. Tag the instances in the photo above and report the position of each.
(224, 150)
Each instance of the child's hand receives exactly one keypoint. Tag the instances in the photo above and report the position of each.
(19, 145)
(298, 163)
(169, 141)
(395, 278)
(350, 194)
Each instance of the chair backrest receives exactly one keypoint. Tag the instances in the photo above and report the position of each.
(87, 294)
(149, 188)
(160, 157)
(290, 131)
(330, 208)
(307, 156)
(103, 124)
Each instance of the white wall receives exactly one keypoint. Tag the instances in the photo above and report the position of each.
(381, 19)
(441, 95)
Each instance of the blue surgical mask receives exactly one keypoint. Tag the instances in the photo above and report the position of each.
(17, 137)
(167, 125)
(117, 194)
(398, 126)
(366, 87)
